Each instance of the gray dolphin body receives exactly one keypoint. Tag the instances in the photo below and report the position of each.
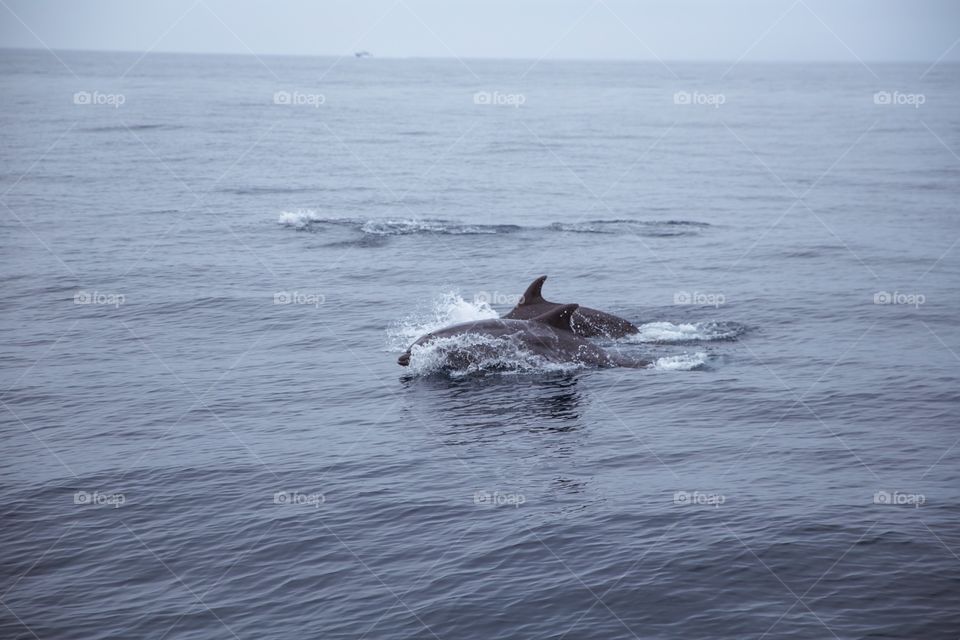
(548, 336)
(587, 322)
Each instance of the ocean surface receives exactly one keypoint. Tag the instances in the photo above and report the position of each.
(210, 265)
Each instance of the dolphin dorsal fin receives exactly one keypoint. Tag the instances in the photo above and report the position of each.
(558, 318)
(532, 295)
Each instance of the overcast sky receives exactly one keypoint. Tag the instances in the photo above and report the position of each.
(841, 30)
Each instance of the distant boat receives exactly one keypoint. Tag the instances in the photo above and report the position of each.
(362, 54)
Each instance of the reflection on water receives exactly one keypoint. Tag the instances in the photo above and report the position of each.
(476, 408)
(505, 430)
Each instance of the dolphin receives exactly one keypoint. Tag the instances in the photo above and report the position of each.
(587, 322)
(548, 335)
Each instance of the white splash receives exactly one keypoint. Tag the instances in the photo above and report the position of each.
(448, 308)
(683, 362)
(472, 354)
(299, 219)
(670, 332)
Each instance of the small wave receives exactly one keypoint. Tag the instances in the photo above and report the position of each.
(648, 227)
(402, 227)
(363, 241)
(132, 127)
(308, 219)
(447, 309)
(682, 362)
(668, 332)
(260, 190)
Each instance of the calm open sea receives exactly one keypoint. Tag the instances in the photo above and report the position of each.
(210, 265)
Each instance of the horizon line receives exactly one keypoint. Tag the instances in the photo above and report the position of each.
(370, 56)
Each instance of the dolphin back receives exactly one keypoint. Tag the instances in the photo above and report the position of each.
(559, 318)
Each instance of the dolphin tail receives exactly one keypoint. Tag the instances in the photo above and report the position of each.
(532, 295)
(558, 318)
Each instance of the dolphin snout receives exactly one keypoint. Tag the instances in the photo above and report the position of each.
(404, 359)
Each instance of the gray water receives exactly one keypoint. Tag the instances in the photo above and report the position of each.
(187, 456)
